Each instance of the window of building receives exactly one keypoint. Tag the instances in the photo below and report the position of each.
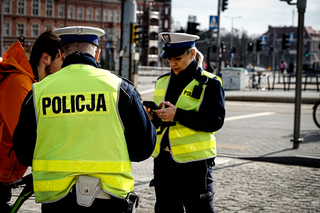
(98, 14)
(80, 12)
(105, 15)
(166, 10)
(166, 24)
(105, 34)
(7, 29)
(118, 16)
(49, 8)
(71, 12)
(61, 11)
(111, 15)
(7, 6)
(21, 6)
(20, 29)
(35, 7)
(34, 30)
(160, 24)
(141, 8)
(49, 26)
(108, 34)
(89, 13)
(116, 33)
(160, 10)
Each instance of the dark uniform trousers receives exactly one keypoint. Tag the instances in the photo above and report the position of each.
(69, 204)
(182, 186)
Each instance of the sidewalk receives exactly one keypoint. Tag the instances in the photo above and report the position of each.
(255, 143)
(244, 178)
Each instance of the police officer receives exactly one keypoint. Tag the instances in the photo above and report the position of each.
(192, 109)
(88, 127)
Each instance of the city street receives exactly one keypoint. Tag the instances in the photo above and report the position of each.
(251, 129)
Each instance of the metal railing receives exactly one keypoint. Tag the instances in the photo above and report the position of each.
(152, 71)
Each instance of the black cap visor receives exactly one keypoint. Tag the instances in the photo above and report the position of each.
(173, 52)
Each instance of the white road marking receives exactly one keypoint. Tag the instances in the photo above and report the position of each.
(146, 91)
(249, 116)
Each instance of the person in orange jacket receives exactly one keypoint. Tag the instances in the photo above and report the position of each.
(17, 75)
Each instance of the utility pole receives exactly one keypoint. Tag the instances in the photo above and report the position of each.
(231, 42)
(127, 48)
(301, 5)
(273, 52)
(219, 55)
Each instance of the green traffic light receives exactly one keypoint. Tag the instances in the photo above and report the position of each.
(306, 54)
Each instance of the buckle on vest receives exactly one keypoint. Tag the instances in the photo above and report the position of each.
(165, 125)
(87, 188)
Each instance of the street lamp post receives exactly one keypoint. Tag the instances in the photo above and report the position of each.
(231, 43)
(301, 6)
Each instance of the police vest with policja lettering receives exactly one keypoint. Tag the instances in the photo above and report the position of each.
(186, 144)
(79, 132)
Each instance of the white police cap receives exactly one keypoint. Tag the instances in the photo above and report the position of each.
(176, 43)
(79, 34)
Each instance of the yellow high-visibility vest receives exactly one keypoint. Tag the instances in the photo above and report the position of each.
(186, 144)
(79, 132)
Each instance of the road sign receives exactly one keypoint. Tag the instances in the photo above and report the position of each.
(291, 37)
(108, 45)
(263, 40)
(213, 22)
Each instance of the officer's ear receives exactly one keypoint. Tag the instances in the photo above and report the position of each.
(193, 52)
(45, 58)
(61, 53)
(97, 54)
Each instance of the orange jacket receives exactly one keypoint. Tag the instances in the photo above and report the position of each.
(16, 79)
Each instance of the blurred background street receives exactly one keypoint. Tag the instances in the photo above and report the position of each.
(244, 42)
(257, 170)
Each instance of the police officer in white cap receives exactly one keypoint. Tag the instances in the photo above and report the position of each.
(192, 109)
(89, 126)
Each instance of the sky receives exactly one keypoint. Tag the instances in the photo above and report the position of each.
(253, 16)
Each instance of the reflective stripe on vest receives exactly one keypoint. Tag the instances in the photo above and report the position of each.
(186, 144)
(91, 140)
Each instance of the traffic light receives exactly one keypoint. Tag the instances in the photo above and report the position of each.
(250, 46)
(145, 40)
(223, 46)
(214, 49)
(136, 30)
(21, 39)
(285, 41)
(307, 54)
(271, 48)
(192, 28)
(234, 49)
(224, 5)
(258, 45)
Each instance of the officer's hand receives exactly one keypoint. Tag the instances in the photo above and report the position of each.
(168, 113)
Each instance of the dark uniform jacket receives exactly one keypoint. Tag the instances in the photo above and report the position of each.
(139, 132)
(211, 114)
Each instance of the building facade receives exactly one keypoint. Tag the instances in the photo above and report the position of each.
(154, 16)
(311, 45)
(29, 18)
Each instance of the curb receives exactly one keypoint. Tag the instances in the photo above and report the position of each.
(304, 100)
(313, 162)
